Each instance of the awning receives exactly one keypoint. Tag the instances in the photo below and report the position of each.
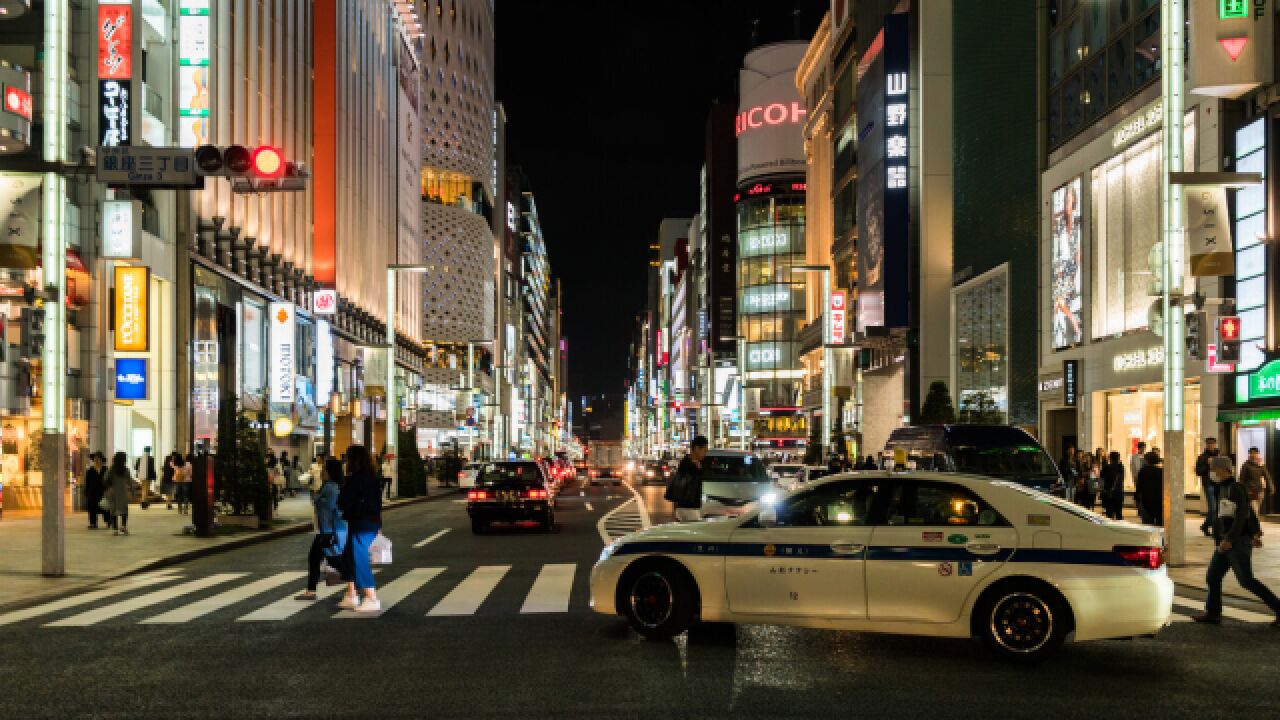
(1249, 415)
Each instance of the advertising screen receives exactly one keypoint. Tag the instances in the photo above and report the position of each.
(1066, 281)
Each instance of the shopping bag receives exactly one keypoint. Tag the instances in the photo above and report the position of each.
(105, 505)
(380, 550)
(1226, 508)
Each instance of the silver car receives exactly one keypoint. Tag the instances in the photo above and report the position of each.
(733, 479)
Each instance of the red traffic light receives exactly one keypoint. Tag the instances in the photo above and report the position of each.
(1229, 328)
(268, 163)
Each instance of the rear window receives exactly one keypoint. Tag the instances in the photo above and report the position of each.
(494, 474)
(733, 468)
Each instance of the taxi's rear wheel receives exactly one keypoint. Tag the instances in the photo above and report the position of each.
(658, 599)
(1021, 621)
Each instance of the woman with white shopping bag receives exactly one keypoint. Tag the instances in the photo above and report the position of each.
(360, 503)
(331, 528)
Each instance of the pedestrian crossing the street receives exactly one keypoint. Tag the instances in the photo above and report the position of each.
(428, 593)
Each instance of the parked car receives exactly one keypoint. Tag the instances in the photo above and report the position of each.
(996, 451)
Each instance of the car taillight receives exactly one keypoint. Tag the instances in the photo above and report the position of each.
(462, 474)
(1148, 558)
(536, 494)
(478, 495)
(595, 473)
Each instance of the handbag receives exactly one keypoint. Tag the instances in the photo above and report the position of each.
(105, 504)
(380, 550)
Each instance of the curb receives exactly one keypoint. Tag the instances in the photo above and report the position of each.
(150, 565)
(296, 529)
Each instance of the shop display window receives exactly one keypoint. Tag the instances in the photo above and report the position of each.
(1138, 416)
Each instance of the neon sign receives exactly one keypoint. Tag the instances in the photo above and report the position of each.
(771, 114)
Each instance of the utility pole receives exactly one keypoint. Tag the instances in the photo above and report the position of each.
(1171, 83)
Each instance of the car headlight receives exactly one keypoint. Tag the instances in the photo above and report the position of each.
(769, 498)
(608, 551)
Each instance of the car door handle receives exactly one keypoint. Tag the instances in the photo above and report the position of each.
(847, 548)
(983, 548)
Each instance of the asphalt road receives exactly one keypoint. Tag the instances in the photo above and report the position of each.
(471, 637)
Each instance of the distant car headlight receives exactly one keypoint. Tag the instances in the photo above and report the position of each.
(648, 473)
(769, 498)
(608, 551)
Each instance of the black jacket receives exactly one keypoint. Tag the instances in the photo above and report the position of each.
(1148, 489)
(1238, 527)
(361, 499)
(1112, 479)
(685, 489)
(95, 482)
(1202, 465)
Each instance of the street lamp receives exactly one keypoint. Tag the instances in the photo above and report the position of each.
(825, 270)
(742, 391)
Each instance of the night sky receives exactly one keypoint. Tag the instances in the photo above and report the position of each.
(609, 128)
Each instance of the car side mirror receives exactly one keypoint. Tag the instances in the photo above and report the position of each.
(768, 518)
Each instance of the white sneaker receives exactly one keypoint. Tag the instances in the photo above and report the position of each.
(370, 606)
(348, 602)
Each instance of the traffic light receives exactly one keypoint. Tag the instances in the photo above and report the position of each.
(260, 169)
(31, 342)
(1195, 338)
(1229, 339)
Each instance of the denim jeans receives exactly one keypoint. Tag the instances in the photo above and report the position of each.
(1240, 560)
(360, 536)
(1211, 499)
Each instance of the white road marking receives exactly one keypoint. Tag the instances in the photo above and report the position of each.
(467, 597)
(115, 588)
(589, 507)
(420, 543)
(396, 590)
(628, 517)
(288, 606)
(550, 593)
(107, 612)
(223, 599)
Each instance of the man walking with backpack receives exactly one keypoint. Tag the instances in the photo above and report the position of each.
(1233, 531)
(685, 488)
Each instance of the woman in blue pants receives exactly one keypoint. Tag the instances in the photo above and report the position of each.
(360, 503)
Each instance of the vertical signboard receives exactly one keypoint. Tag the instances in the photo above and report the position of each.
(131, 378)
(1066, 268)
(1251, 229)
(20, 220)
(131, 307)
(115, 73)
(194, 73)
(121, 229)
(837, 305)
(204, 372)
(884, 159)
(282, 342)
(1070, 382)
(1208, 231)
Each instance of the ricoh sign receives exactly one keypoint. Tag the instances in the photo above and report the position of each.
(771, 115)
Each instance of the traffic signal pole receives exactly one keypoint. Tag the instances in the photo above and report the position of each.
(1172, 271)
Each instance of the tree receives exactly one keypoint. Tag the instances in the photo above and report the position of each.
(937, 409)
(240, 467)
(412, 472)
(980, 408)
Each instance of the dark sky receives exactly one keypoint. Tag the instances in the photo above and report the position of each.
(606, 109)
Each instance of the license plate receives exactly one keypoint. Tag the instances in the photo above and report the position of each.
(509, 495)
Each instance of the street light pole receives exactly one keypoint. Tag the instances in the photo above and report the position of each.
(742, 392)
(1171, 83)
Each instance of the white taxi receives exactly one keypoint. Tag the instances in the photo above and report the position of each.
(935, 554)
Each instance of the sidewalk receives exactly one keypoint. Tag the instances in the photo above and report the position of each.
(1266, 560)
(155, 538)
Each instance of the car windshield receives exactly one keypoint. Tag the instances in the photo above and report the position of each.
(495, 474)
(733, 468)
(1057, 502)
(997, 451)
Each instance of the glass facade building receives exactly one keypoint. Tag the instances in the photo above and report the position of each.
(771, 241)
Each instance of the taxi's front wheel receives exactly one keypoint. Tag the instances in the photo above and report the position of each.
(658, 599)
(1021, 621)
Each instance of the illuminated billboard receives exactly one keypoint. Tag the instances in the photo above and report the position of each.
(1065, 268)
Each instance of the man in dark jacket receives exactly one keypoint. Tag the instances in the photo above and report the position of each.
(95, 487)
(1148, 491)
(685, 489)
(1234, 536)
(1113, 487)
(1206, 484)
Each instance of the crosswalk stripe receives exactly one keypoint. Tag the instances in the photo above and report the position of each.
(107, 612)
(550, 593)
(1227, 611)
(420, 543)
(228, 598)
(466, 598)
(116, 588)
(288, 606)
(397, 590)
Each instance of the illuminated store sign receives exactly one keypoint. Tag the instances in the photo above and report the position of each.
(772, 114)
(131, 378)
(282, 347)
(194, 73)
(839, 308)
(131, 308)
(121, 229)
(1138, 359)
(1139, 124)
(17, 101)
(896, 90)
(324, 301)
(115, 42)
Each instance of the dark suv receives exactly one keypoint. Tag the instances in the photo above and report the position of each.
(998, 451)
(511, 492)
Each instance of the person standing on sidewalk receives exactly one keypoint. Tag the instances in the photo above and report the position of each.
(145, 468)
(1233, 532)
(166, 481)
(1137, 461)
(685, 489)
(182, 483)
(1113, 487)
(1148, 491)
(95, 486)
(1207, 486)
(1256, 479)
(1069, 468)
(360, 503)
(119, 481)
(331, 529)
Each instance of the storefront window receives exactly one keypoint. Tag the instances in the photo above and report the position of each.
(771, 298)
(1134, 417)
(982, 349)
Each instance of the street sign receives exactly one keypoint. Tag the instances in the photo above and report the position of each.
(157, 167)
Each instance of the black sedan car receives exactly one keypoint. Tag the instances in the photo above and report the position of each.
(511, 492)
